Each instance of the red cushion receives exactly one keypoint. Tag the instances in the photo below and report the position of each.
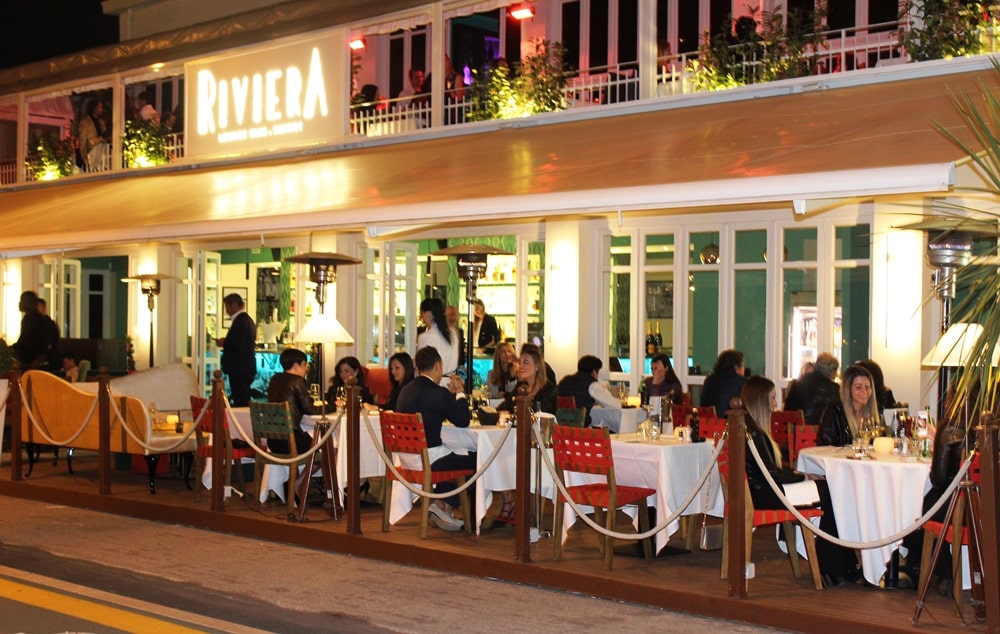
(934, 528)
(597, 494)
(377, 380)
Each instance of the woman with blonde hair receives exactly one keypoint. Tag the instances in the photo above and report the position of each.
(839, 422)
(838, 564)
(542, 393)
(502, 379)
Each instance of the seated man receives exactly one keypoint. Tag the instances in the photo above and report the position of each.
(435, 404)
(816, 390)
(291, 386)
(585, 388)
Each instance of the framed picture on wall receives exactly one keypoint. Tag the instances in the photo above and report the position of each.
(226, 292)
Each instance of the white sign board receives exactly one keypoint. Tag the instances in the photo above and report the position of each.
(266, 99)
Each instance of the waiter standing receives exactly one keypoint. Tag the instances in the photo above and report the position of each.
(238, 359)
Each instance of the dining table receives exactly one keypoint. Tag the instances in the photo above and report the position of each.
(273, 476)
(669, 466)
(619, 420)
(873, 497)
(499, 476)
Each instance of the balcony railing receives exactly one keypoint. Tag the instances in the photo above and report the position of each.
(846, 50)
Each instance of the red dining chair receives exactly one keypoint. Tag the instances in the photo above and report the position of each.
(233, 456)
(588, 450)
(781, 422)
(800, 437)
(566, 402)
(680, 415)
(768, 517)
(711, 427)
(959, 533)
(404, 433)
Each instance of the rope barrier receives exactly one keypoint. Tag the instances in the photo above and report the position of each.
(628, 536)
(264, 453)
(885, 541)
(419, 491)
(40, 428)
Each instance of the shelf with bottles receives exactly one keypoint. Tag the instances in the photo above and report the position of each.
(654, 336)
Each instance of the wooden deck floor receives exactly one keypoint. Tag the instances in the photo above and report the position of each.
(682, 581)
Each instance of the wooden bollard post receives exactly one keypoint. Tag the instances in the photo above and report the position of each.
(219, 477)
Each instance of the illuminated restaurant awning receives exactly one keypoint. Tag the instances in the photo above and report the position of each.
(862, 142)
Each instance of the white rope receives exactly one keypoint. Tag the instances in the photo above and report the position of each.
(885, 541)
(269, 457)
(41, 430)
(430, 494)
(139, 441)
(630, 536)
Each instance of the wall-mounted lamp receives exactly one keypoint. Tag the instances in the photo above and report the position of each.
(357, 44)
(522, 12)
(471, 260)
(149, 285)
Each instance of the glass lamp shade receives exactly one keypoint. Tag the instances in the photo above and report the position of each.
(323, 328)
(956, 345)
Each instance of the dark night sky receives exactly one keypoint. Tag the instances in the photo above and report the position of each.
(32, 30)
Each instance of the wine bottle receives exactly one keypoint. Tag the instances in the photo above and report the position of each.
(650, 340)
(659, 338)
(695, 426)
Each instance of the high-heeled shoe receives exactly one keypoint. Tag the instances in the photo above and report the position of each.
(506, 514)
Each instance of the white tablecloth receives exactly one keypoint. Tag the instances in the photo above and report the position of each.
(872, 499)
(619, 421)
(274, 476)
(499, 477)
(671, 468)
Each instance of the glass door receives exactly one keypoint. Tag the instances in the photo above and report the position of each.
(389, 301)
(207, 313)
(61, 292)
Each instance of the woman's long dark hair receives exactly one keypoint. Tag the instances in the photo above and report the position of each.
(355, 365)
(756, 397)
(406, 361)
(436, 308)
(671, 376)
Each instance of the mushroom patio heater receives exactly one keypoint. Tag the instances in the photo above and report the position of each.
(471, 261)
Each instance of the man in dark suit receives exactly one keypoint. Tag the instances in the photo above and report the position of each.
(238, 359)
(425, 396)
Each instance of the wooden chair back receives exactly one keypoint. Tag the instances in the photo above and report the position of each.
(711, 427)
(583, 450)
(403, 433)
(571, 416)
(801, 437)
(782, 422)
(273, 421)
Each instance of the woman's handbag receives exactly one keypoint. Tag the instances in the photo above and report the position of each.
(711, 534)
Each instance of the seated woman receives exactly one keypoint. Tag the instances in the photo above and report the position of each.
(502, 379)
(664, 381)
(542, 394)
(348, 373)
(400, 373)
(839, 423)
(836, 563)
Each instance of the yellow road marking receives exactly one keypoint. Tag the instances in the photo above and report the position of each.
(88, 610)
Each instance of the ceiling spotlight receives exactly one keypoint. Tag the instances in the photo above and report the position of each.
(357, 44)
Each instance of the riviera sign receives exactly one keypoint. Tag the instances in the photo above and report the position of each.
(261, 100)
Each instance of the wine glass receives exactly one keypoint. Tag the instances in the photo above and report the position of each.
(314, 392)
(340, 397)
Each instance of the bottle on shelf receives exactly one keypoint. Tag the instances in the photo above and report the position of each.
(650, 340)
(659, 337)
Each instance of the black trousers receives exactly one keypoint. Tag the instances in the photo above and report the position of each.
(451, 462)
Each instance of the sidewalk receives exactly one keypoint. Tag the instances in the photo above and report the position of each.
(333, 589)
